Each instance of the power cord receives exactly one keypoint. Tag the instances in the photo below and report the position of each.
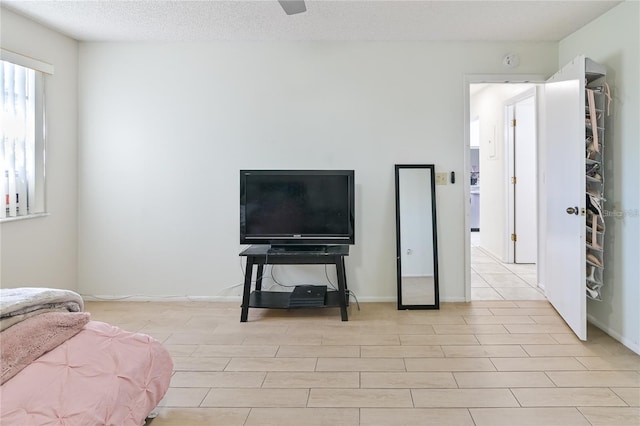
(330, 284)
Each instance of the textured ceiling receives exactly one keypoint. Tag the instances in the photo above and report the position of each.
(393, 20)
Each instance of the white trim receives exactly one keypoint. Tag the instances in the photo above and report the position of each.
(141, 298)
(374, 299)
(184, 298)
(634, 346)
(452, 299)
(25, 61)
(492, 254)
(28, 216)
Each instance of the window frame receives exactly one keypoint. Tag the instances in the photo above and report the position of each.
(37, 205)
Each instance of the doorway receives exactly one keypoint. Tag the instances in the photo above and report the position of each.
(499, 154)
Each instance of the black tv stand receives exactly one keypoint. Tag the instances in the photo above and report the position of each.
(260, 255)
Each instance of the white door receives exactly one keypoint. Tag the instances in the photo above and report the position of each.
(564, 186)
(525, 164)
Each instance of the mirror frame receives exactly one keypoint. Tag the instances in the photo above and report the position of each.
(401, 303)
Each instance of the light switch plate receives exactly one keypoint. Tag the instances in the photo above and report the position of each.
(441, 178)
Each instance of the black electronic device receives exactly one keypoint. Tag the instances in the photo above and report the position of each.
(294, 208)
(308, 296)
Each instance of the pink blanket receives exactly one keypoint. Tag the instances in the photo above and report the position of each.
(27, 340)
(101, 376)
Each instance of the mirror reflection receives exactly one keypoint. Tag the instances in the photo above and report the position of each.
(416, 237)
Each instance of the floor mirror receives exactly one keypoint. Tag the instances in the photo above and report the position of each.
(416, 237)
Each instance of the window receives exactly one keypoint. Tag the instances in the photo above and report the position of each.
(22, 153)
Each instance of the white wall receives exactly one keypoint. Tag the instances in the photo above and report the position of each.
(165, 127)
(42, 251)
(614, 41)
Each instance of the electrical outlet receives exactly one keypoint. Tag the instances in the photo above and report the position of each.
(441, 178)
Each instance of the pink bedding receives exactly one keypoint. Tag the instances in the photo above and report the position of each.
(101, 376)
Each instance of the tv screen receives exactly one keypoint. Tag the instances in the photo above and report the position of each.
(297, 207)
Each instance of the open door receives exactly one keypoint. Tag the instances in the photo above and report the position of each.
(564, 130)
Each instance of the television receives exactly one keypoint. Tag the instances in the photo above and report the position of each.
(297, 208)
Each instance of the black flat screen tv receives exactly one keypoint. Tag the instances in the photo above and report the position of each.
(293, 208)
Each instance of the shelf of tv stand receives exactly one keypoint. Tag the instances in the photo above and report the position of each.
(261, 255)
(280, 300)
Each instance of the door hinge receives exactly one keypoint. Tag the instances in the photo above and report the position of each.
(514, 237)
(513, 123)
(514, 180)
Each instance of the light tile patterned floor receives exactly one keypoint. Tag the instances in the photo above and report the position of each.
(481, 363)
(493, 280)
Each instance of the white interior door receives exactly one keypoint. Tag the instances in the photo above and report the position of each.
(510, 139)
(564, 188)
(525, 164)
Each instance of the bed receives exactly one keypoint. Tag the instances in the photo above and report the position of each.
(61, 368)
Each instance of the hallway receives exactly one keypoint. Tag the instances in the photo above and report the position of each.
(494, 280)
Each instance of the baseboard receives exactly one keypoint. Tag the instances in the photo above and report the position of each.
(453, 299)
(492, 254)
(139, 298)
(394, 300)
(634, 346)
(376, 299)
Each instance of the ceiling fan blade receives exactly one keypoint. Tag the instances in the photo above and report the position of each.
(291, 7)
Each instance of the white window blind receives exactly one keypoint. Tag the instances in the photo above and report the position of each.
(22, 146)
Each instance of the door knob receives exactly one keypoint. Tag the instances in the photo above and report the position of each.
(572, 210)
